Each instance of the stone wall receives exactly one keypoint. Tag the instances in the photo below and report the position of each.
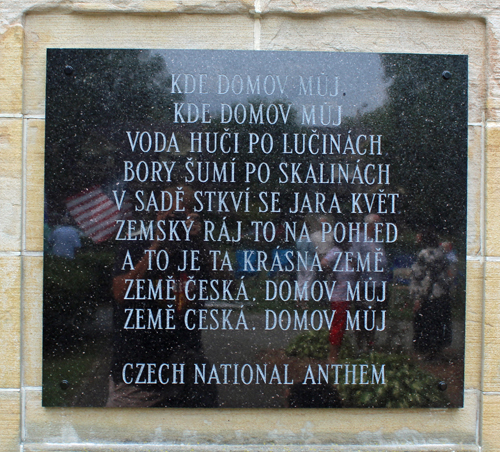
(29, 27)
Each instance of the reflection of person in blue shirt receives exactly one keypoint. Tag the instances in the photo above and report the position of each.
(65, 240)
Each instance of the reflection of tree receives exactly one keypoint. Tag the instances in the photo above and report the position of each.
(425, 135)
(88, 111)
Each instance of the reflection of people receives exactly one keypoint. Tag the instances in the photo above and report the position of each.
(322, 241)
(319, 244)
(451, 257)
(305, 276)
(154, 351)
(372, 274)
(338, 301)
(65, 240)
(429, 288)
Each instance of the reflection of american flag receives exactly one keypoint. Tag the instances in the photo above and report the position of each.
(95, 213)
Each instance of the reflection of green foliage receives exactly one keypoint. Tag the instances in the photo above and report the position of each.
(424, 127)
(407, 385)
(88, 272)
(313, 344)
(88, 112)
(73, 289)
(76, 368)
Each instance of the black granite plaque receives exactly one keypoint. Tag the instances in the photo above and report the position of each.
(254, 229)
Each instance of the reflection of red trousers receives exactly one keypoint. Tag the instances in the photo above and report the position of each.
(337, 329)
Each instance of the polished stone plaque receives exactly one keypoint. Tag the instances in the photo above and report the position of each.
(254, 229)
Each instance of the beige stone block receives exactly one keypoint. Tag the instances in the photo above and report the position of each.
(32, 321)
(491, 423)
(34, 183)
(391, 33)
(11, 70)
(184, 31)
(492, 190)
(473, 327)
(493, 69)
(162, 6)
(9, 420)
(241, 427)
(10, 308)
(10, 183)
(491, 365)
(474, 190)
(371, 8)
